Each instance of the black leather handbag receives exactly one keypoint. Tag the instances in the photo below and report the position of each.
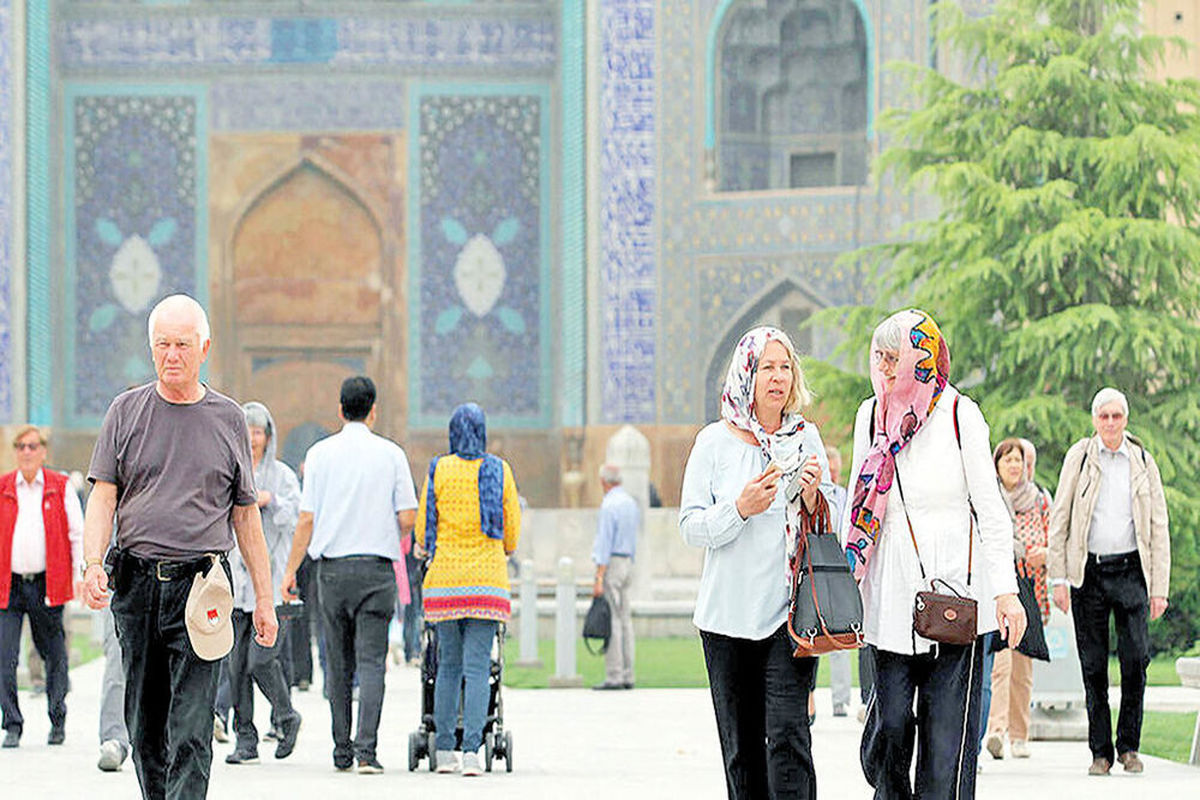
(826, 612)
(598, 625)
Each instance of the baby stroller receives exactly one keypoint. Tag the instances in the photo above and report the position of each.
(497, 742)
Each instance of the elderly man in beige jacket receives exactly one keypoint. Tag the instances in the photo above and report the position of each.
(1109, 541)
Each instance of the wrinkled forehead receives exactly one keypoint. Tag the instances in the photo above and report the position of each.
(1113, 408)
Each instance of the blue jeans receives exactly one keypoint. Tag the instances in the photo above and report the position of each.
(985, 677)
(464, 657)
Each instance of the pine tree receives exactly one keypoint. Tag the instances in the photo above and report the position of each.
(1064, 254)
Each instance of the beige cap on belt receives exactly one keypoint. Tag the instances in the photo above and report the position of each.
(208, 613)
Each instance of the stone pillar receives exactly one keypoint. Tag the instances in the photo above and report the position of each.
(529, 617)
(565, 675)
(629, 450)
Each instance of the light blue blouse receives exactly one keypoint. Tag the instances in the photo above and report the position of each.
(743, 587)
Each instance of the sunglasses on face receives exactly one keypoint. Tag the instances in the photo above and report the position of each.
(30, 446)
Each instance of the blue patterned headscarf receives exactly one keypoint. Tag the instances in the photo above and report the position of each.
(468, 441)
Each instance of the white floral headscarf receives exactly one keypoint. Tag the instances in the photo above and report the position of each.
(737, 408)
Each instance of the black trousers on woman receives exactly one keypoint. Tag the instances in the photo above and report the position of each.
(946, 685)
(760, 694)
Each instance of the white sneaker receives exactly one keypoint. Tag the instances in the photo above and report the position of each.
(1019, 748)
(995, 744)
(112, 755)
(447, 762)
(471, 765)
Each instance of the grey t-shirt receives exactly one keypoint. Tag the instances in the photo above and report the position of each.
(179, 470)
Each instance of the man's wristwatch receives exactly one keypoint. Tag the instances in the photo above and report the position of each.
(89, 563)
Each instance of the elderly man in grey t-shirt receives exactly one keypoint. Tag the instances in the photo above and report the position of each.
(173, 464)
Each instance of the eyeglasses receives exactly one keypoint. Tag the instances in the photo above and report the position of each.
(30, 446)
(887, 357)
(1116, 416)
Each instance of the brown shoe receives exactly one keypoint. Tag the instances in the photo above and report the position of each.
(1131, 762)
(1100, 766)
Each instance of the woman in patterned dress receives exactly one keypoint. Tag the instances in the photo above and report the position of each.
(1012, 671)
(469, 520)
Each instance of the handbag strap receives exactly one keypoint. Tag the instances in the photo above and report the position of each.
(970, 505)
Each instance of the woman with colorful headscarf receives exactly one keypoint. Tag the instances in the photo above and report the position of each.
(922, 471)
(739, 476)
(468, 521)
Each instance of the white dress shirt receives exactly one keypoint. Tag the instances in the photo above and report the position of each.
(1112, 519)
(355, 482)
(29, 533)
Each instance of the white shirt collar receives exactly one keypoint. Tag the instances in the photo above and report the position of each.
(356, 426)
(38, 480)
(1123, 450)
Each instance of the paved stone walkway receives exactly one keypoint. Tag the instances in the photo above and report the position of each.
(567, 744)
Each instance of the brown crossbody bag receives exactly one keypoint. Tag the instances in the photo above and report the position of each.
(949, 617)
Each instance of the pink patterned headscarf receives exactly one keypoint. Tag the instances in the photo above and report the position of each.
(737, 408)
(922, 372)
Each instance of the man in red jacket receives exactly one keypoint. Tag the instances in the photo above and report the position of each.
(41, 542)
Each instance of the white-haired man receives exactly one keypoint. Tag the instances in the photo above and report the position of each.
(613, 551)
(172, 463)
(1109, 540)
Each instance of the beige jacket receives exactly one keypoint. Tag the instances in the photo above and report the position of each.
(1075, 500)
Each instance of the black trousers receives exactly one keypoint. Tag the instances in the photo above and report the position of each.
(944, 729)
(169, 690)
(250, 663)
(358, 599)
(1117, 588)
(299, 634)
(760, 695)
(27, 596)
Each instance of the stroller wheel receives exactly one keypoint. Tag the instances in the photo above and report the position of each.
(487, 753)
(431, 744)
(414, 750)
(508, 751)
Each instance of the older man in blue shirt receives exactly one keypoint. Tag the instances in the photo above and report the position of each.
(613, 552)
(358, 500)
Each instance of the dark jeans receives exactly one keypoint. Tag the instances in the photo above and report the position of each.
(760, 695)
(299, 637)
(945, 729)
(250, 663)
(358, 598)
(169, 691)
(28, 596)
(1118, 589)
(866, 673)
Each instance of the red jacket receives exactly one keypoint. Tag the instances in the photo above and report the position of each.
(59, 580)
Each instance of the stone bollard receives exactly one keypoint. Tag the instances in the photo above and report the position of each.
(529, 617)
(1188, 670)
(565, 675)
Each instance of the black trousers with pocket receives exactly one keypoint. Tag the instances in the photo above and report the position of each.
(760, 695)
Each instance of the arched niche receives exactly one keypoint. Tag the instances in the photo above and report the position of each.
(307, 250)
(786, 305)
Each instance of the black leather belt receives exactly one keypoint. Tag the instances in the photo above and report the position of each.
(29, 577)
(1114, 559)
(619, 555)
(167, 570)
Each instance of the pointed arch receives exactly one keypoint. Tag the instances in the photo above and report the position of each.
(751, 313)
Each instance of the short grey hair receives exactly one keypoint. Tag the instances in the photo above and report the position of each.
(1109, 395)
(256, 416)
(610, 473)
(890, 334)
(180, 301)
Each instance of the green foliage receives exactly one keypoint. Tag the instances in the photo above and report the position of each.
(1063, 255)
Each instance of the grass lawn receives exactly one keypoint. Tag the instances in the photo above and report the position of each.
(1166, 734)
(674, 663)
(1160, 673)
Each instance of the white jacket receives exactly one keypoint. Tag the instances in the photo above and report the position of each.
(936, 475)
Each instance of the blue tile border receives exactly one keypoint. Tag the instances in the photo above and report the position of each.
(7, 213)
(38, 104)
(573, 350)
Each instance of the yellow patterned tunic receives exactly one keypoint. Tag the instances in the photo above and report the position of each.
(468, 577)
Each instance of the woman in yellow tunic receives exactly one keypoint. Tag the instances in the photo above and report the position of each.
(469, 520)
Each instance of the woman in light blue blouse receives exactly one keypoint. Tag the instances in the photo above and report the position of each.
(732, 506)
